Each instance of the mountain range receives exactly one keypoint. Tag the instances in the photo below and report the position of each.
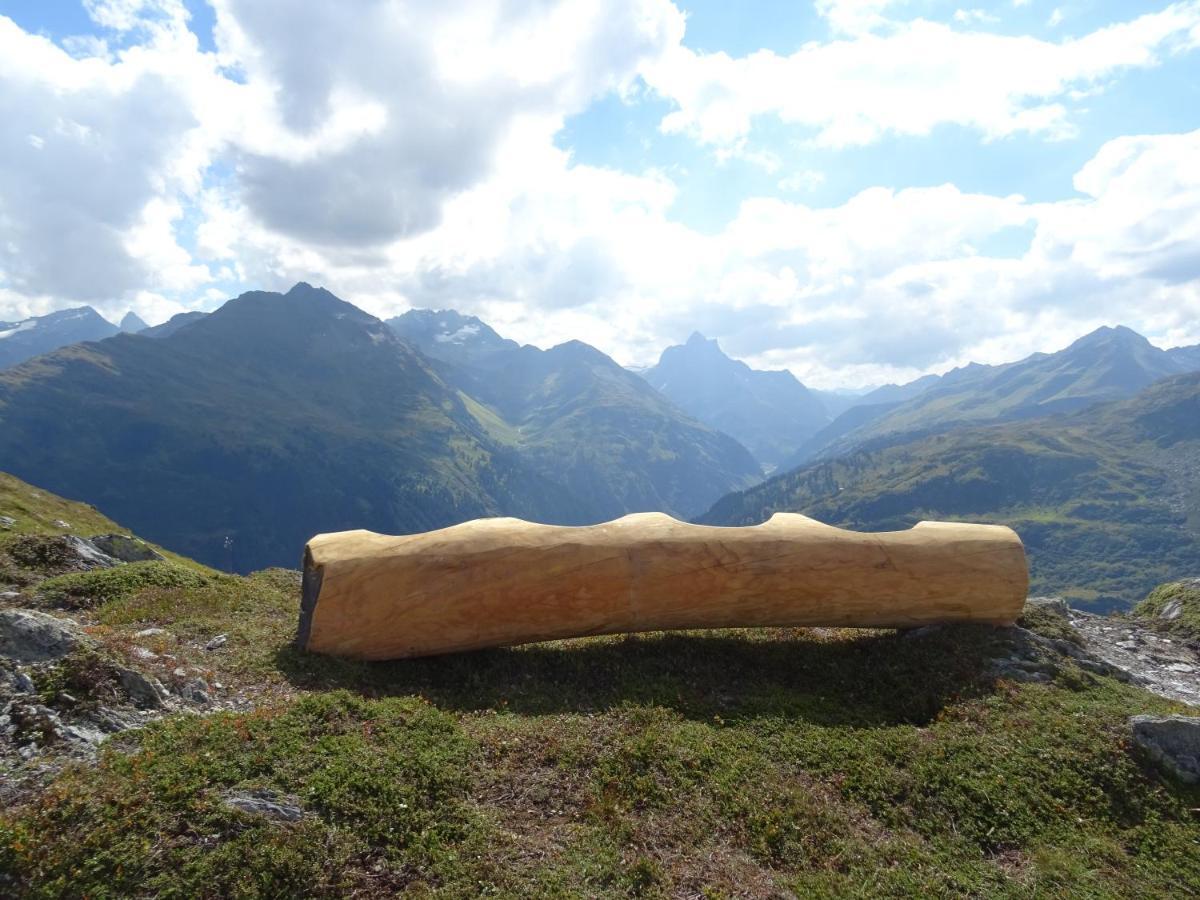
(233, 436)
(280, 416)
(34, 336)
(1107, 499)
(1107, 364)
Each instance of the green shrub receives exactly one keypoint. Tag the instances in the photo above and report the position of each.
(1187, 623)
(84, 590)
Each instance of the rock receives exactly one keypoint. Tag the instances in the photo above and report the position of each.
(218, 641)
(1055, 605)
(89, 554)
(145, 690)
(7, 522)
(9, 595)
(81, 734)
(195, 691)
(125, 548)
(143, 653)
(23, 683)
(267, 804)
(1172, 610)
(30, 636)
(150, 632)
(1173, 742)
(59, 523)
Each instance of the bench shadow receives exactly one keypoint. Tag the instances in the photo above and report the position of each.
(861, 679)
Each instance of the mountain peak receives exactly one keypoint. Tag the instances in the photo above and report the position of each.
(132, 323)
(1106, 335)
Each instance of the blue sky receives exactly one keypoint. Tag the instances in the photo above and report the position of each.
(859, 190)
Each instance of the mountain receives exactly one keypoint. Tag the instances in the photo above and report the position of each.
(771, 413)
(1108, 364)
(269, 420)
(582, 420)
(898, 393)
(132, 323)
(280, 416)
(23, 340)
(1187, 358)
(1107, 499)
(450, 336)
(172, 324)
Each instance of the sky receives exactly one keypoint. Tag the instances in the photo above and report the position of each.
(859, 190)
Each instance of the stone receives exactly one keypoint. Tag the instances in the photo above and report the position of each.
(1172, 611)
(218, 641)
(1172, 742)
(125, 548)
(146, 690)
(81, 734)
(9, 595)
(91, 556)
(195, 691)
(59, 523)
(1055, 605)
(23, 683)
(7, 522)
(27, 635)
(150, 632)
(265, 803)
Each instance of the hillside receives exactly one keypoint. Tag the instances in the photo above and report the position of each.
(32, 337)
(1107, 500)
(771, 413)
(581, 420)
(1108, 364)
(235, 436)
(238, 437)
(957, 762)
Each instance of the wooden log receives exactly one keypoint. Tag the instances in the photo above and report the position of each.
(493, 582)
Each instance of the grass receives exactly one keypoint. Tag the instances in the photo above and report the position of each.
(733, 763)
(81, 590)
(1187, 594)
(819, 763)
(36, 511)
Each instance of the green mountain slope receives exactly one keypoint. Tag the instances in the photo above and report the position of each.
(274, 418)
(1108, 364)
(1106, 500)
(579, 419)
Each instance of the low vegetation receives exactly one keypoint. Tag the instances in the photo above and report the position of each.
(815, 762)
(1174, 608)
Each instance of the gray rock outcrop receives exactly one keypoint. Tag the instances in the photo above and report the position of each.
(1173, 742)
(125, 548)
(30, 636)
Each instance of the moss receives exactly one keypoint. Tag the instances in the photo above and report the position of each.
(731, 763)
(1187, 594)
(381, 782)
(1048, 624)
(82, 590)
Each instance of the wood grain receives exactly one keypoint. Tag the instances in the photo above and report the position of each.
(493, 582)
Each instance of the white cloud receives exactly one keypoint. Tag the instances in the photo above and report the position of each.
(803, 181)
(980, 16)
(909, 79)
(411, 162)
(853, 16)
